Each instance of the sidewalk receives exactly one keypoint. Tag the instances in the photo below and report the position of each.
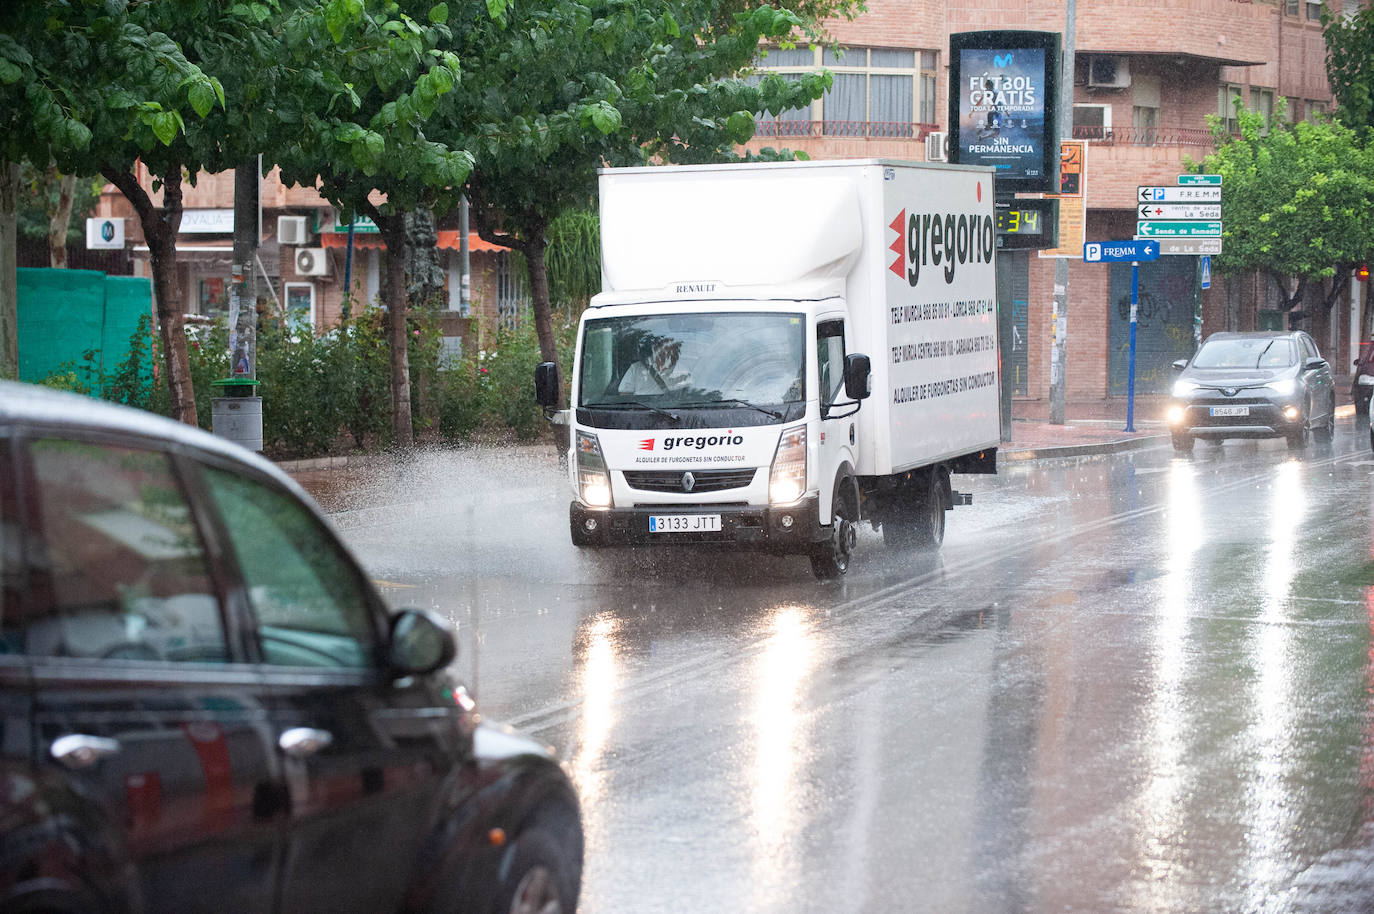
(1090, 427)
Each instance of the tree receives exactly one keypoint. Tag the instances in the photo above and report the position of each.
(98, 88)
(53, 201)
(1350, 65)
(1298, 205)
(368, 148)
(553, 91)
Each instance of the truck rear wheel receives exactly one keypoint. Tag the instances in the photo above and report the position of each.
(921, 521)
(831, 558)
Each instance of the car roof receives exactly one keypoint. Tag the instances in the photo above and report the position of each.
(30, 404)
(1254, 335)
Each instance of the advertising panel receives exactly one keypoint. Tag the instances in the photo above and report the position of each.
(1003, 107)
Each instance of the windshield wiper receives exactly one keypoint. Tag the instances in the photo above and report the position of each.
(636, 404)
(1263, 352)
(731, 401)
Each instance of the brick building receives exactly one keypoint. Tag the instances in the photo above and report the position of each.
(303, 257)
(1146, 76)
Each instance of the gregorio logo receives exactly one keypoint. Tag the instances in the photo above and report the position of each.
(692, 442)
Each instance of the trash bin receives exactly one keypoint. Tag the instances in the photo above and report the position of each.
(237, 414)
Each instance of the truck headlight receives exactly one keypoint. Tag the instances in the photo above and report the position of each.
(787, 479)
(593, 481)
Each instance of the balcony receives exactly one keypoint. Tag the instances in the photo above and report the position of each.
(908, 130)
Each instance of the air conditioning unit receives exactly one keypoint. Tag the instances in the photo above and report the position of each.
(292, 230)
(1108, 71)
(312, 262)
(936, 150)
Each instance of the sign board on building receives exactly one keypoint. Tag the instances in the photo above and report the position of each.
(1200, 179)
(208, 222)
(361, 225)
(1003, 107)
(1120, 251)
(104, 234)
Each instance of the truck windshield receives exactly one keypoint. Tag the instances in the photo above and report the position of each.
(745, 360)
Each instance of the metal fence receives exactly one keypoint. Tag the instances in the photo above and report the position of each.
(876, 129)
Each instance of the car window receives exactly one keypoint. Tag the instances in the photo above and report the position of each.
(306, 594)
(118, 569)
(1260, 352)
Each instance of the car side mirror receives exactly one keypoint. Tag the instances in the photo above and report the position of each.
(858, 376)
(546, 384)
(419, 643)
(1180, 364)
(1314, 363)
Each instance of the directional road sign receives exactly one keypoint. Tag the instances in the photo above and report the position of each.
(1166, 194)
(1188, 246)
(1120, 251)
(1199, 179)
(1206, 264)
(1179, 211)
(1158, 229)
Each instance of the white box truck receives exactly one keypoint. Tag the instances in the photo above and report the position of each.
(781, 351)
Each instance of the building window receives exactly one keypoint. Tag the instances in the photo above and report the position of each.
(1262, 103)
(1145, 121)
(1290, 7)
(512, 301)
(1092, 122)
(1227, 97)
(875, 91)
(1292, 109)
(1314, 10)
(930, 112)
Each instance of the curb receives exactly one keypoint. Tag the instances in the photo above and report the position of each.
(1083, 450)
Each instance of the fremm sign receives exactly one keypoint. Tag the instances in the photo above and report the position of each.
(104, 234)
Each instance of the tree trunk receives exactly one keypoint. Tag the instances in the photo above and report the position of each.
(535, 246)
(393, 232)
(60, 220)
(9, 261)
(160, 228)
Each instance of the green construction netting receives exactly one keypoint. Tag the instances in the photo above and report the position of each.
(67, 315)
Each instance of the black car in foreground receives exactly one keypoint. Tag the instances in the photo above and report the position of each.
(1253, 385)
(206, 706)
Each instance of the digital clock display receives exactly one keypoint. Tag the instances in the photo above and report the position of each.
(1020, 221)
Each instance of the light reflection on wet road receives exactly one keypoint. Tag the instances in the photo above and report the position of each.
(1132, 683)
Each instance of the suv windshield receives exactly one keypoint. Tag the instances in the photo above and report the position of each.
(1266, 352)
(679, 361)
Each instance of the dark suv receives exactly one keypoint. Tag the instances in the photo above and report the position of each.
(1253, 385)
(206, 706)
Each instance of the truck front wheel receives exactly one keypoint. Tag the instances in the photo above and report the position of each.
(831, 558)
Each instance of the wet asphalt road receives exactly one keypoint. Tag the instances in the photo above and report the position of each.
(1136, 683)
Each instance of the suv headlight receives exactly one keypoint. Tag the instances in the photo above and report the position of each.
(593, 480)
(787, 479)
(1183, 388)
(1283, 388)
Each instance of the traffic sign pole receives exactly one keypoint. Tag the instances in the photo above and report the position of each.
(1130, 369)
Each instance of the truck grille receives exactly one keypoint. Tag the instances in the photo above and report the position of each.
(701, 480)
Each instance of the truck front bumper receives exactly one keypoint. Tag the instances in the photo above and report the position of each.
(791, 529)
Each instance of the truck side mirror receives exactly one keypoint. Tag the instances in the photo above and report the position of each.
(858, 376)
(546, 384)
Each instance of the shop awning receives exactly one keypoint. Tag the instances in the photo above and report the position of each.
(448, 240)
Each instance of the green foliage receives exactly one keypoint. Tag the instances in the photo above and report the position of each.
(1350, 65)
(41, 189)
(573, 259)
(1299, 199)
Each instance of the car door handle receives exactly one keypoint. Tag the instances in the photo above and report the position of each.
(299, 742)
(79, 750)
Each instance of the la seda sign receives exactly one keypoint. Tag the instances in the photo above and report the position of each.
(1004, 107)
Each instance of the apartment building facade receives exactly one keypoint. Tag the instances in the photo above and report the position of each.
(304, 259)
(1145, 78)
